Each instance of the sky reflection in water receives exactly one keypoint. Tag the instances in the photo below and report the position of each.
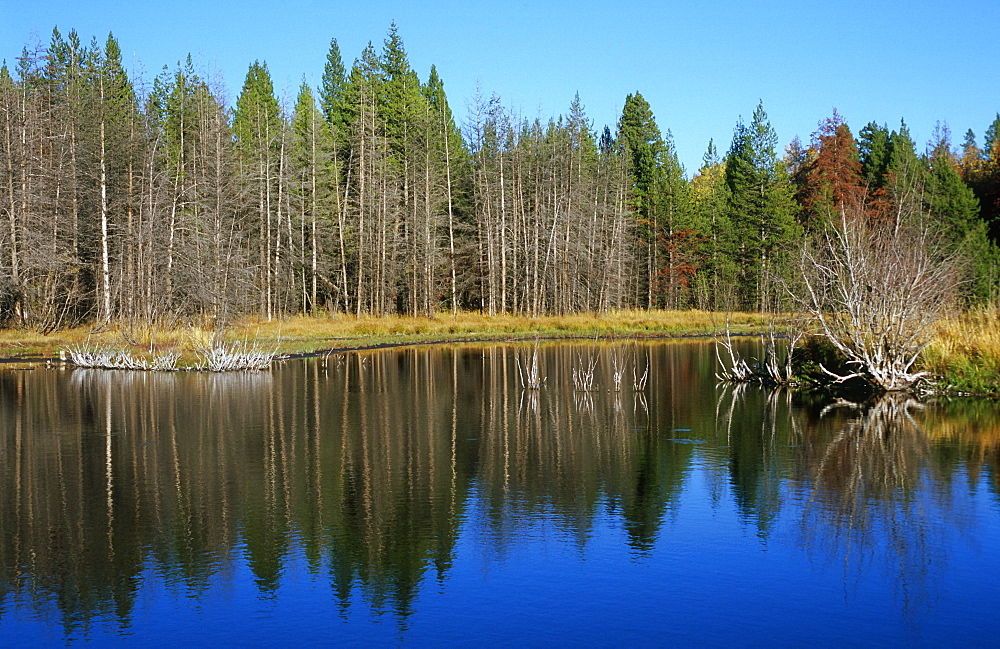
(421, 496)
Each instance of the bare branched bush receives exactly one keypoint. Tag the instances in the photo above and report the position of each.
(773, 368)
(583, 376)
(239, 355)
(165, 361)
(736, 370)
(529, 371)
(877, 290)
(639, 380)
(617, 368)
(105, 358)
(776, 367)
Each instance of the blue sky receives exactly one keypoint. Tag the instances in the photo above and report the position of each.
(701, 64)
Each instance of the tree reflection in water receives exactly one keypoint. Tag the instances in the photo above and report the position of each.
(869, 498)
(369, 467)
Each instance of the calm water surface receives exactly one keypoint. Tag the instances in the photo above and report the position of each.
(421, 497)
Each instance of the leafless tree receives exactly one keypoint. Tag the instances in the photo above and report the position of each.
(877, 289)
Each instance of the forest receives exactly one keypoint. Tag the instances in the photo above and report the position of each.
(132, 201)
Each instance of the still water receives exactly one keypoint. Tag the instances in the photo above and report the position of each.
(421, 497)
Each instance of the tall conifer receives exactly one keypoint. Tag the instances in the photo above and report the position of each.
(761, 211)
(258, 129)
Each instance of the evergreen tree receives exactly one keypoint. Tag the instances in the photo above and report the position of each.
(903, 157)
(992, 141)
(402, 101)
(640, 139)
(332, 88)
(406, 118)
(873, 147)
(710, 200)
(12, 291)
(974, 170)
(259, 129)
(201, 261)
(954, 211)
(971, 159)
(111, 151)
(257, 118)
(365, 137)
(761, 210)
(681, 235)
(642, 144)
(451, 152)
(832, 173)
(314, 190)
(173, 112)
(67, 255)
(987, 180)
(905, 176)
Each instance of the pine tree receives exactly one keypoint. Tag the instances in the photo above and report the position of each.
(315, 190)
(452, 157)
(873, 147)
(640, 138)
(405, 114)
(68, 121)
(576, 152)
(111, 150)
(833, 173)
(332, 88)
(362, 97)
(11, 289)
(905, 174)
(259, 131)
(761, 210)
(988, 188)
(642, 144)
(954, 212)
(680, 235)
(173, 110)
(971, 160)
(223, 249)
(992, 140)
(710, 198)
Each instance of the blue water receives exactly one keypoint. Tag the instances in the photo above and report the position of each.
(424, 501)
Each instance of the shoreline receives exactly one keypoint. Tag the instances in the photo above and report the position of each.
(354, 344)
(965, 358)
(309, 334)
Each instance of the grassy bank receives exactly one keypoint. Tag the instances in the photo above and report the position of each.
(966, 354)
(308, 334)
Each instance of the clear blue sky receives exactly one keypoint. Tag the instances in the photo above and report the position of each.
(701, 64)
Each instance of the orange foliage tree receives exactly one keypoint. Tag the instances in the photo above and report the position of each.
(832, 173)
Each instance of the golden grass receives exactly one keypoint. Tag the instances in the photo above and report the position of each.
(307, 334)
(966, 352)
(26, 342)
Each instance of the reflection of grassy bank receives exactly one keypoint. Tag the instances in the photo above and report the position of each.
(966, 354)
(308, 334)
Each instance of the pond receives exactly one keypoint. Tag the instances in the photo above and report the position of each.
(420, 496)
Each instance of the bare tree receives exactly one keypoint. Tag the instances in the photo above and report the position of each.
(877, 289)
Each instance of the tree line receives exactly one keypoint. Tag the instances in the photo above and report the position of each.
(124, 202)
